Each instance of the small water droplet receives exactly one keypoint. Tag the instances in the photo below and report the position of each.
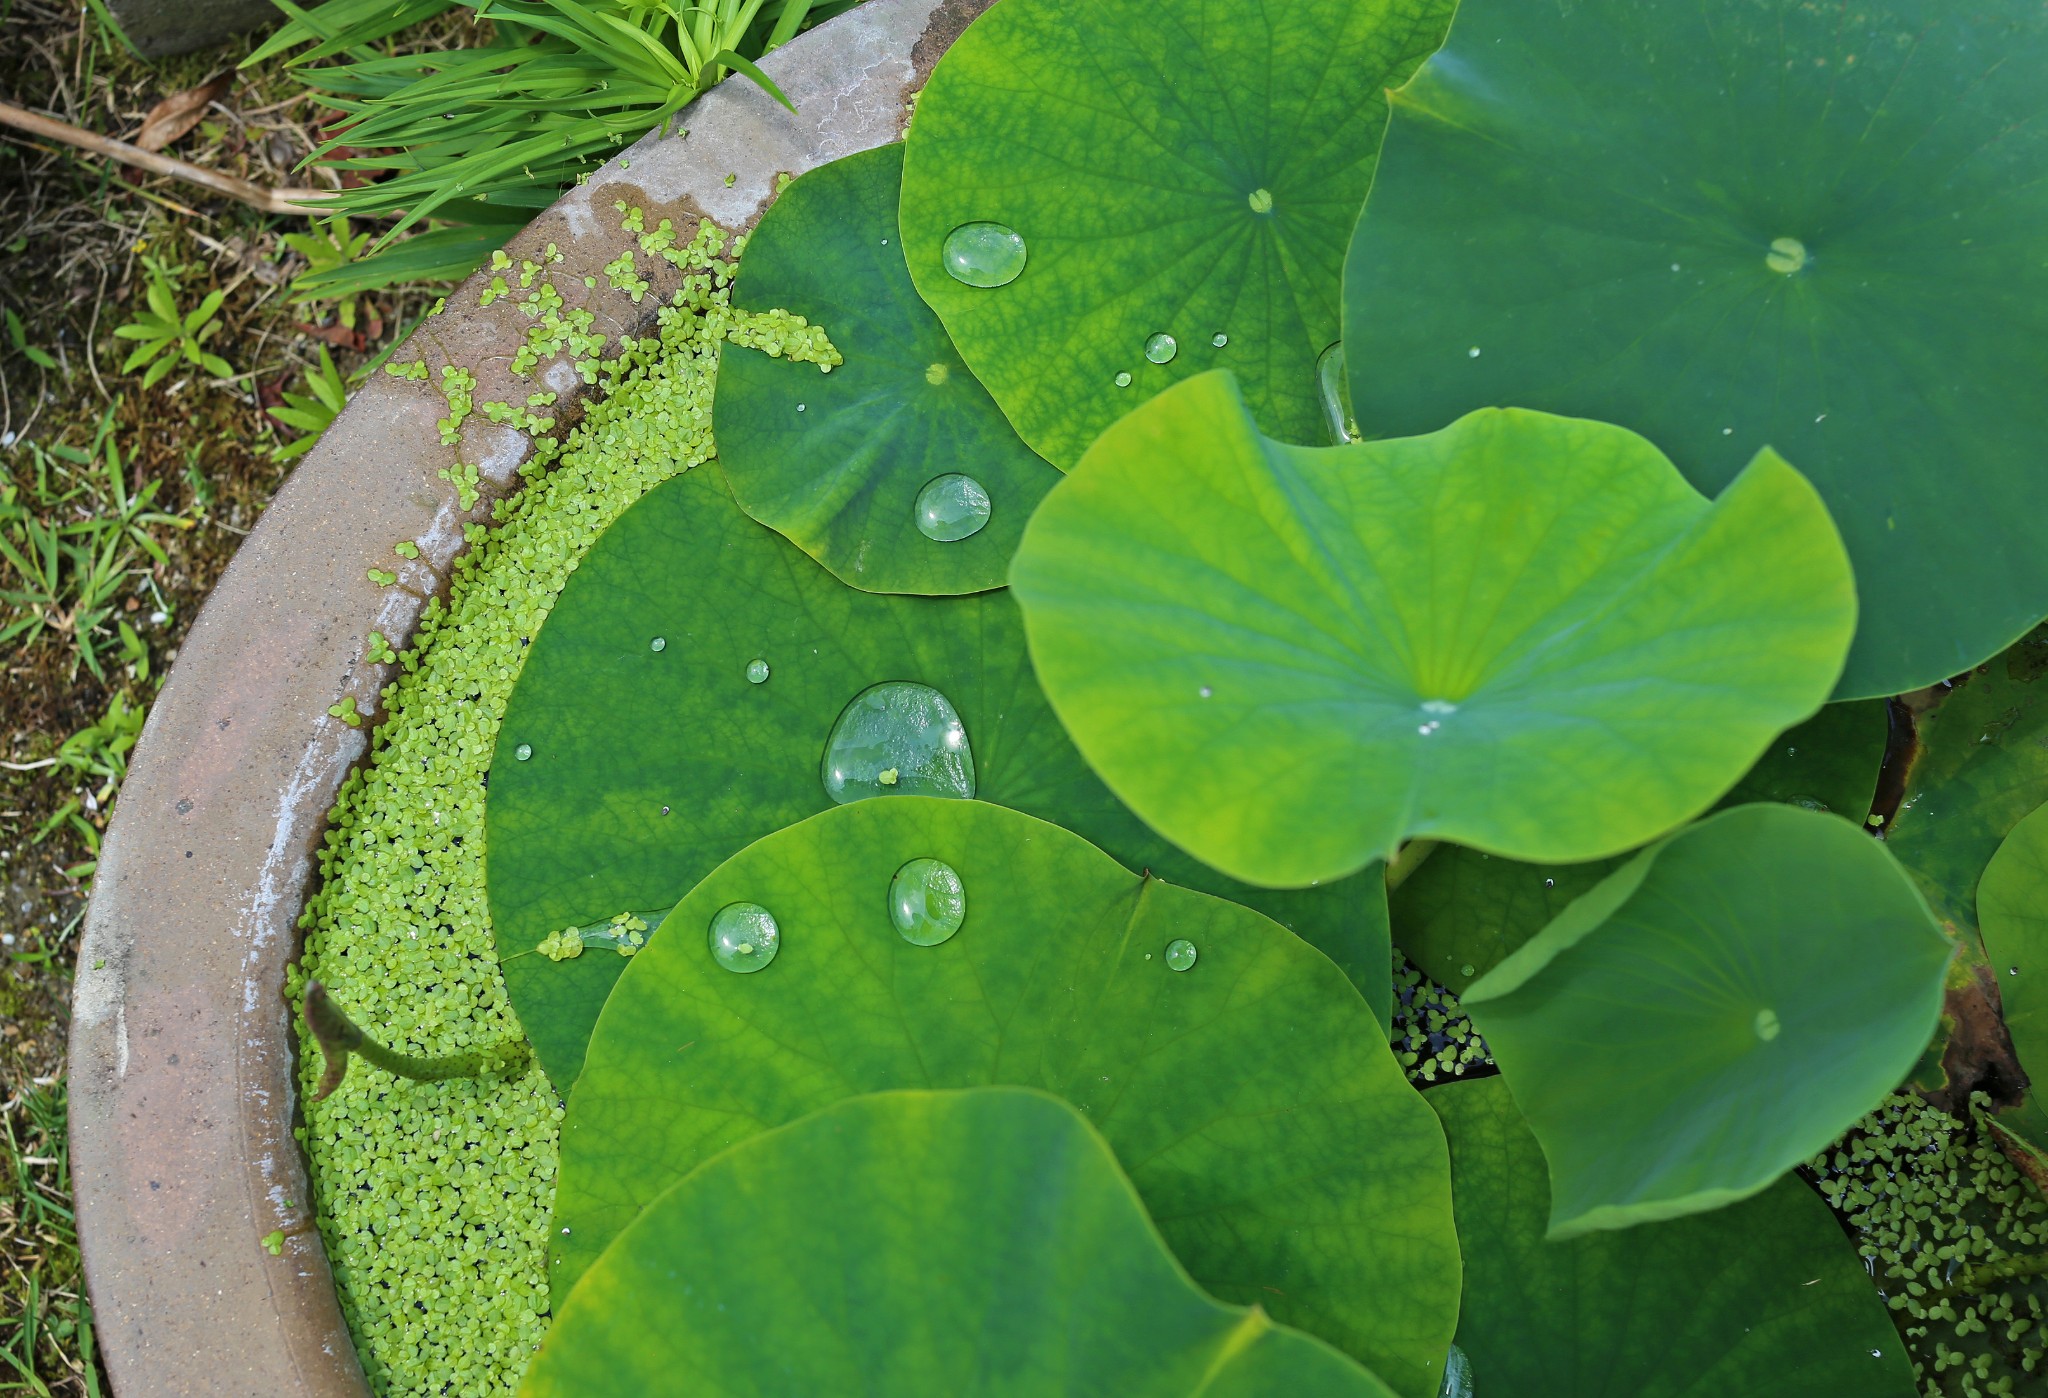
(1334, 388)
(1261, 201)
(1123, 380)
(1180, 954)
(659, 643)
(1877, 1354)
(1766, 1024)
(757, 672)
(1457, 1375)
(1787, 255)
(1219, 339)
(2012, 970)
(523, 751)
(951, 507)
(984, 254)
(799, 407)
(1674, 266)
(1550, 883)
(1161, 347)
(1472, 353)
(927, 902)
(1438, 706)
(664, 810)
(910, 732)
(885, 242)
(1205, 691)
(744, 937)
(1727, 432)
(1467, 969)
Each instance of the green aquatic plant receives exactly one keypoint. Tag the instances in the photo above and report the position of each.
(341, 1040)
(1239, 1089)
(1813, 230)
(1293, 659)
(1088, 1300)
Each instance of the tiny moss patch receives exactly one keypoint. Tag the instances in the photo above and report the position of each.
(434, 1198)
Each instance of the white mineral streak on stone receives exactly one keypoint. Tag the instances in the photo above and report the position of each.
(561, 377)
(288, 863)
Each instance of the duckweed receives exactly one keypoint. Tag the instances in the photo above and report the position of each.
(1934, 1206)
(433, 1198)
(1433, 1037)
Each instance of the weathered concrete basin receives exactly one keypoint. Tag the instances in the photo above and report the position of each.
(183, 1094)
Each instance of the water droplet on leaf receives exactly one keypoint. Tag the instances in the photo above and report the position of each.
(984, 254)
(1180, 954)
(1219, 339)
(523, 751)
(744, 937)
(659, 643)
(757, 672)
(910, 732)
(1334, 389)
(951, 507)
(1123, 380)
(1457, 1375)
(1161, 347)
(927, 902)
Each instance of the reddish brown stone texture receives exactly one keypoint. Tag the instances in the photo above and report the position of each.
(183, 1094)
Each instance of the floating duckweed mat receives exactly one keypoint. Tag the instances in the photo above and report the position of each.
(433, 1199)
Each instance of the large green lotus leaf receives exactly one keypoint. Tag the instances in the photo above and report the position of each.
(2012, 906)
(1980, 766)
(1522, 633)
(836, 462)
(1251, 1097)
(647, 767)
(1190, 168)
(1763, 1299)
(1461, 911)
(1809, 226)
(1718, 1009)
(1010, 1258)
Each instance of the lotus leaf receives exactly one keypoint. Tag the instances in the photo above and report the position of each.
(2012, 904)
(1714, 1012)
(1765, 1298)
(837, 462)
(1980, 767)
(1461, 911)
(1812, 227)
(644, 768)
(1253, 1101)
(1014, 1259)
(1523, 633)
(1173, 167)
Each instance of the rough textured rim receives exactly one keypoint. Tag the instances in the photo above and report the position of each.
(183, 1097)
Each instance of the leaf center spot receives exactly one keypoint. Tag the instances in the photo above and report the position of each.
(1787, 255)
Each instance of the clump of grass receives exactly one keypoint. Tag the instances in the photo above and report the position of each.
(46, 1331)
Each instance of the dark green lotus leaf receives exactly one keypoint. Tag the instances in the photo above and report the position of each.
(836, 462)
(647, 767)
(1173, 167)
(1980, 767)
(1718, 1009)
(1251, 1097)
(1523, 633)
(1013, 1259)
(1461, 911)
(1807, 226)
(2012, 907)
(1763, 1299)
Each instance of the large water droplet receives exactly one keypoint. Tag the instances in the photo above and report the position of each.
(744, 937)
(1161, 347)
(927, 902)
(757, 672)
(951, 507)
(1787, 255)
(1180, 954)
(1261, 201)
(659, 643)
(1457, 1375)
(1766, 1024)
(1333, 387)
(523, 751)
(898, 739)
(984, 254)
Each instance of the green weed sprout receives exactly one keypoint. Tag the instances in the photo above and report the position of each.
(310, 412)
(339, 1038)
(167, 337)
(327, 246)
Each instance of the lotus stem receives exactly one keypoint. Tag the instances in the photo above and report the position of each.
(340, 1037)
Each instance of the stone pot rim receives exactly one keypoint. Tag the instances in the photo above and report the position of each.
(183, 1090)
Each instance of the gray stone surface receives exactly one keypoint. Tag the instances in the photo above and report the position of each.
(183, 1094)
(162, 27)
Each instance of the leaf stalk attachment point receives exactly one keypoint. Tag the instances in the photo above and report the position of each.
(340, 1036)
